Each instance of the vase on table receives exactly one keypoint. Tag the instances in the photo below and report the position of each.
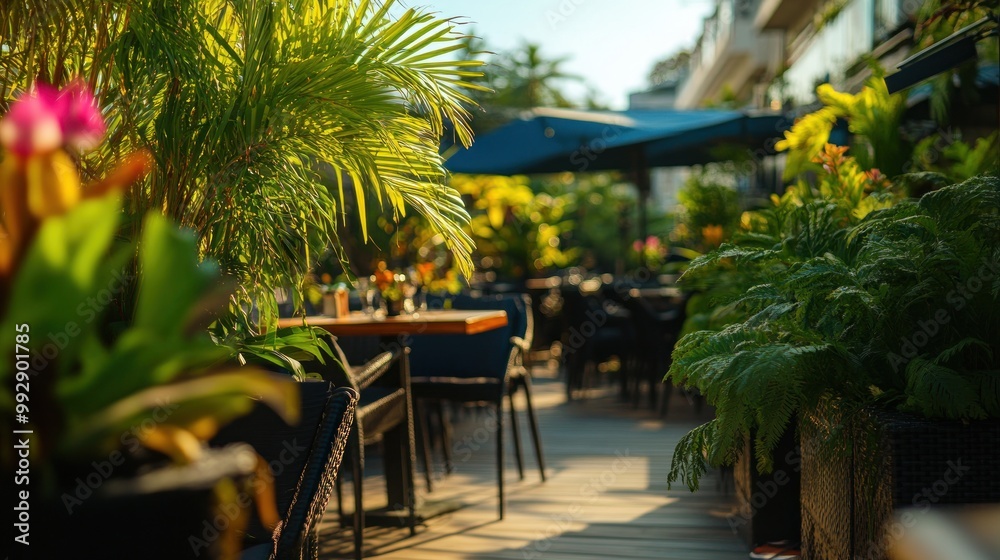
(393, 307)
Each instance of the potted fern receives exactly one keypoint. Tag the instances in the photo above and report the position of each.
(871, 327)
(835, 314)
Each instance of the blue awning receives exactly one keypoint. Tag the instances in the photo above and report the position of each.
(987, 78)
(557, 140)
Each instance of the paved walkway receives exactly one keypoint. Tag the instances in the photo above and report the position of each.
(606, 494)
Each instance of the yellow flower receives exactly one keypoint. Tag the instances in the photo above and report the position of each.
(53, 184)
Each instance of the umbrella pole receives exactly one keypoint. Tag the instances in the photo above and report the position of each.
(641, 170)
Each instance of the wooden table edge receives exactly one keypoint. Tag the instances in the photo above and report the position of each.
(492, 319)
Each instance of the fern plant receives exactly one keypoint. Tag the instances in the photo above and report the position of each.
(899, 308)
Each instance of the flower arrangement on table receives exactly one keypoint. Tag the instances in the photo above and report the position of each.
(438, 280)
(390, 285)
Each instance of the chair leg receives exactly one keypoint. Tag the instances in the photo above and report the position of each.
(423, 424)
(666, 394)
(623, 378)
(312, 552)
(536, 435)
(409, 458)
(515, 432)
(500, 462)
(653, 389)
(446, 436)
(340, 498)
(358, 470)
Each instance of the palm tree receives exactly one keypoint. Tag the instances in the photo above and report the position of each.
(524, 78)
(240, 101)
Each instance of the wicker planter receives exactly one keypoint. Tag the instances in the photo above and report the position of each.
(894, 460)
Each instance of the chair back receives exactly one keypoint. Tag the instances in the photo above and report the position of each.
(285, 448)
(485, 354)
(336, 368)
(319, 474)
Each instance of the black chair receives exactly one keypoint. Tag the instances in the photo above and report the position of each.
(519, 379)
(304, 461)
(384, 413)
(594, 330)
(479, 369)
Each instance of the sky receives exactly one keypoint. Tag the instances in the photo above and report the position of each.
(612, 44)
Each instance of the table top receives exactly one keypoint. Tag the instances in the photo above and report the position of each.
(445, 321)
(657, 292)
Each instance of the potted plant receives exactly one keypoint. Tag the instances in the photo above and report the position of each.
(340, 118)
(111, 418)
(927, 280)
(841, 286)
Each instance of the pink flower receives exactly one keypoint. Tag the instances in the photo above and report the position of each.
(637, 245)
(45, 119)
(83, 124)
(652, 242)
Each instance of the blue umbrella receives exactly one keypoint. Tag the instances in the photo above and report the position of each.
(556, 140)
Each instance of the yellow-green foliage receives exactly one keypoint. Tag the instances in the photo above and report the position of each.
(517, 231)
(957, 160)
(872, 115)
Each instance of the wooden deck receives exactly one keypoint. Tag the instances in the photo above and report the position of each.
(606, 494)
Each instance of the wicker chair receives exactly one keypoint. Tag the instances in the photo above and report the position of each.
(480, 369)
(304, 460)
(384, 408)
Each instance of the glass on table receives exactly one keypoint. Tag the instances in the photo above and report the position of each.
(416, 281)
(366, 289)
(409, 291)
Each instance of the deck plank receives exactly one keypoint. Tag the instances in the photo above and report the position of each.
(606, 495)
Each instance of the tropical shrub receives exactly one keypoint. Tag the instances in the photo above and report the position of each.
(955, 159)
(239, 103)
(709, 212)
(873, 117)
(518, 233)
(83, 382)
(897, 308)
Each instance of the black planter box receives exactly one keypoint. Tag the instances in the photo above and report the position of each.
(163, 512)
(768, 507)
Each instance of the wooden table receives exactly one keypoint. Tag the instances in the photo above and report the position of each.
(656, 292)
(445, 321)
(395, 330)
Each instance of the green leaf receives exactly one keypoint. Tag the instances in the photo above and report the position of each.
(172, 280)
